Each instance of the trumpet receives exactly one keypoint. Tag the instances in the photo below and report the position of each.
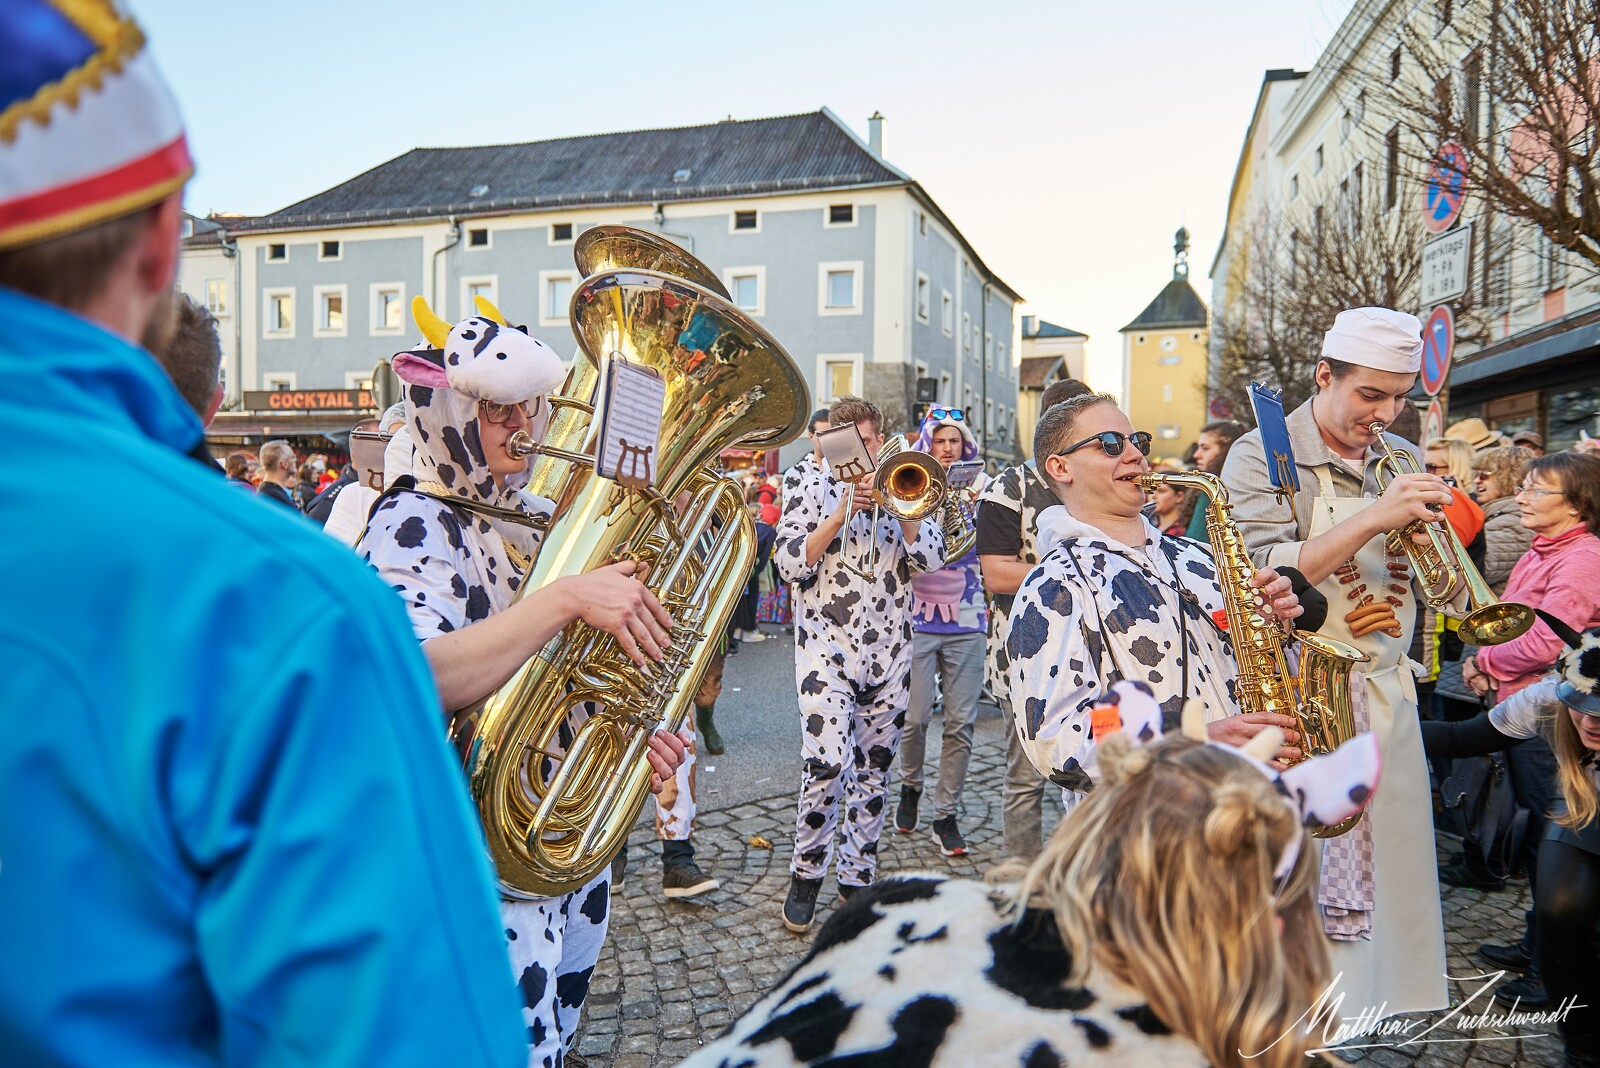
(908, 486)
(1442, 566)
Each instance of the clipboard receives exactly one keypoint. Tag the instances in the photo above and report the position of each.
(963, 473)
(629, 423)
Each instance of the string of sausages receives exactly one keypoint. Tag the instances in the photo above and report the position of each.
(1376, 601)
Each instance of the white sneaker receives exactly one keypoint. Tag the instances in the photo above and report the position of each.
(754, 636)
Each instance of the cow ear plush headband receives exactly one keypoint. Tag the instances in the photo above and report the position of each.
(1324, 790)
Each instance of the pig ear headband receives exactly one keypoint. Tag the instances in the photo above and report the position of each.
(1325, 790)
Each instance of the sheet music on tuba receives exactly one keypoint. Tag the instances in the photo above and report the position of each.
(630, 423)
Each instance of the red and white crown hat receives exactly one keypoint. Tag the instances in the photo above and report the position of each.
(88, 129)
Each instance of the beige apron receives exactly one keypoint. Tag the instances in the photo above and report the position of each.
(1402, 967)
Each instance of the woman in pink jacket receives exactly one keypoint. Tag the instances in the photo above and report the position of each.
(1559, 501)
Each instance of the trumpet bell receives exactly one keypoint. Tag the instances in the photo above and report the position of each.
(910, 486)
(1496, 623)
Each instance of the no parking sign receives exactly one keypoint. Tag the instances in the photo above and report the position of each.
(1438, 345)
(1445, 187)
(1433, 421)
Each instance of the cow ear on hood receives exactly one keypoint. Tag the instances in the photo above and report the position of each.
(423, 367)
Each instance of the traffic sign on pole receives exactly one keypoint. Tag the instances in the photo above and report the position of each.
(1433, 421)
(1438, 345)
(1444, 188)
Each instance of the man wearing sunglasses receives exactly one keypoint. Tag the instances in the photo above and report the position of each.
(1379, 889)
(1113, 598)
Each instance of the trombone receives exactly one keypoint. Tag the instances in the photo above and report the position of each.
(907, 485)
(1442, 566)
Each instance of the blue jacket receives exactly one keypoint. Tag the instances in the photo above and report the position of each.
(230, 830)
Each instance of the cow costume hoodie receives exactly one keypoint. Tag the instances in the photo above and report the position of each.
(455, 564)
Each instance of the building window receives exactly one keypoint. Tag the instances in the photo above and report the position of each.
(841, 214)
(1391, 164)
(1316, 161)
(944, 387)
(1168, 431)
(1139, 340)
(1000, 356)
(279, 319)
(1166, 392)
(924, 297)
(747, 286)
(388, 308)
(966, 402)
(839, 288)
(747, 220)
(966, 331)
(278, 380)
(1394, 65)
(560, 233)
(1170, 360)
(947, 312)
(988, 351)
(485, 286)
(838, 374)
(217, 296)
(277, 253)
(478, 237)
(555, 296)
(330, 301)
(922, 224)
(330, 250)
(1471, 90)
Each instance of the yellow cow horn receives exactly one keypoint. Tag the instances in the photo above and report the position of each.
(435, 329)
(489, 311)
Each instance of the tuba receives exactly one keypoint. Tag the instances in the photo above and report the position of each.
(908, 486)
(555, 809)
(1318, 696)
(1442, 565)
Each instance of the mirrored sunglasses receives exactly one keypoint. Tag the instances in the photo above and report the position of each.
(1113, 442)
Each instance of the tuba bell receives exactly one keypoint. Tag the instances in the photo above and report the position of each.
(556, 810)
(1442, 565)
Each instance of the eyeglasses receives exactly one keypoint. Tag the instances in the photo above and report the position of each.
(498, 414)
(947, 413)
(1529, 490)
(1113, 441)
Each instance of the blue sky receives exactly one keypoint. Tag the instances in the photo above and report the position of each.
(1067, 140)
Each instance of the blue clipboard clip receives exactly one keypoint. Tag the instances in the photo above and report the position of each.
(1268, 406)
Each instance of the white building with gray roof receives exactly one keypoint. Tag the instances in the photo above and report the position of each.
(843, 257)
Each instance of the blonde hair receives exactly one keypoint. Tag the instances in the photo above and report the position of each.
(1458, 455)
(1164, 877)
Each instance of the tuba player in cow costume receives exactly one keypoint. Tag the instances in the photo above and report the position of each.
(455, 540)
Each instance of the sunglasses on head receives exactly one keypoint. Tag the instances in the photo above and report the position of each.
(1113, 442)
(498, 414)
(947, 413)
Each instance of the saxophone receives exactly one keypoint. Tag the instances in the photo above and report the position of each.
(1318, 695)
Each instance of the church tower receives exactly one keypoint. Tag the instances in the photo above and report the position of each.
(1164, 362)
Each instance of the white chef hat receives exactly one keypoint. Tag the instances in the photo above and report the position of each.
(1379, 338)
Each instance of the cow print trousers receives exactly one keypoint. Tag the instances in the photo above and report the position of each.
(554, 943)
(848, 741)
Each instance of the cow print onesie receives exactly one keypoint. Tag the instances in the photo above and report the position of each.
(1094, 611)
(853, 670)
(453, 568)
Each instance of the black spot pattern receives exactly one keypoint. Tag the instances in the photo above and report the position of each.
(1031, 962)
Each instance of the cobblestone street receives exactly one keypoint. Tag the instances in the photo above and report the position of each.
(673, 975)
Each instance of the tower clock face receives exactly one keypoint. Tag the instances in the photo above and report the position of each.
(1169, 343)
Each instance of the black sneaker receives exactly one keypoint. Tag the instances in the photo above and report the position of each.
(1527, 992)
(685, 879)
(905, 813)
(1462, 876)
(801, 905)
(951, 844)
(1511, 958)
(846, 892)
